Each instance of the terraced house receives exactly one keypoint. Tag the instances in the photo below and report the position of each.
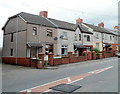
(103, 38)
(26, 35)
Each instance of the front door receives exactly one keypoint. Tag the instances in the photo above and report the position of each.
(34, 52)
(80, 50)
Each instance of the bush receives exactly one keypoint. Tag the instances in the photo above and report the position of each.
(96, 50)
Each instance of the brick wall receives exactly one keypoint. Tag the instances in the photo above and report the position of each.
(20, 61)
(57, 61)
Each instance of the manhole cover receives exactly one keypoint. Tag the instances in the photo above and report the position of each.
(67, 88)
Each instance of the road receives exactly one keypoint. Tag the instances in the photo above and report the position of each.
(101, 76)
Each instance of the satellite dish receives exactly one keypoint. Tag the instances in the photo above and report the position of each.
(55, 38)
(61, 36)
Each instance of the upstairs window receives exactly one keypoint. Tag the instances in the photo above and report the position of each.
(75, 37)
(34, 31)
(116, 37)
(110, 37)
(79, 37)
(64, 35)
(88, 38)
(49, 33)
(12, 37)
(97, 36)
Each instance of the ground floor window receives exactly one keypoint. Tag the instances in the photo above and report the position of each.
(87, 48)
(28, 52)
(117, 48)
(49, 48)
(97, 46)
(75, 51)
(64, 49)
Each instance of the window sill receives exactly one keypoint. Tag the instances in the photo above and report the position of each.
(65, 38)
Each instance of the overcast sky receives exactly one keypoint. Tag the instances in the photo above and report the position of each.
(91, 11)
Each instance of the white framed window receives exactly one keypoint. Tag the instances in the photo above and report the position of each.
(28, 52)
(97, 36)
(49, 48)
(49, 33)
(97, 46)
(79, 37)
(88, 38)
(34, 32)
(75, 37)
(110, 37)
(64, 35)
(64, 49)
(87, 48)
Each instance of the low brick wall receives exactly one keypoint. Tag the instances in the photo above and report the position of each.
(65, 60)
(33, 64)
(23, 62)
(76, 59)
(80, 58)
(20, 61)
(9, 60)
(57, 61)
(73, 59)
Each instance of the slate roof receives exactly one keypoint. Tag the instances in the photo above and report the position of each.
(84, 29)
(30, 18)
(63, 24)
(98, 29)
(114, 32)
(36, 19)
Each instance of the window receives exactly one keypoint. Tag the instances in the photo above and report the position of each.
(88, 38)
(87, 48)
(110, 37)
(64, 50)
(49, 32)
(79, 37)
(12, 37)
(11, 52)
(34, 31)
(97, 36)
(97, 45)
(28, 52)
(116, 37)
(103, 36)
(75, 37)
(48, 48)
(64, 35)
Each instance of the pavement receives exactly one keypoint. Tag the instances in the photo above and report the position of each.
(18, 78)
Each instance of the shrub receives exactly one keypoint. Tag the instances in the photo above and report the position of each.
(96, 50)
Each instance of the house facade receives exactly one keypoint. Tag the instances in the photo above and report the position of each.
(26, 35)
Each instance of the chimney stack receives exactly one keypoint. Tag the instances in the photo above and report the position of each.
(116, 28)
(44, 14)
(79, 20)
(101, 25)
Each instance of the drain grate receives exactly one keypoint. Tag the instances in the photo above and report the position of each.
(67, 88)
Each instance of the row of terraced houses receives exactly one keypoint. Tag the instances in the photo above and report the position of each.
(26, 35)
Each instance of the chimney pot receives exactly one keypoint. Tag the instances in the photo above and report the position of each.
(44, 14)
(116, 28)
(79, 20)
(101, 25)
